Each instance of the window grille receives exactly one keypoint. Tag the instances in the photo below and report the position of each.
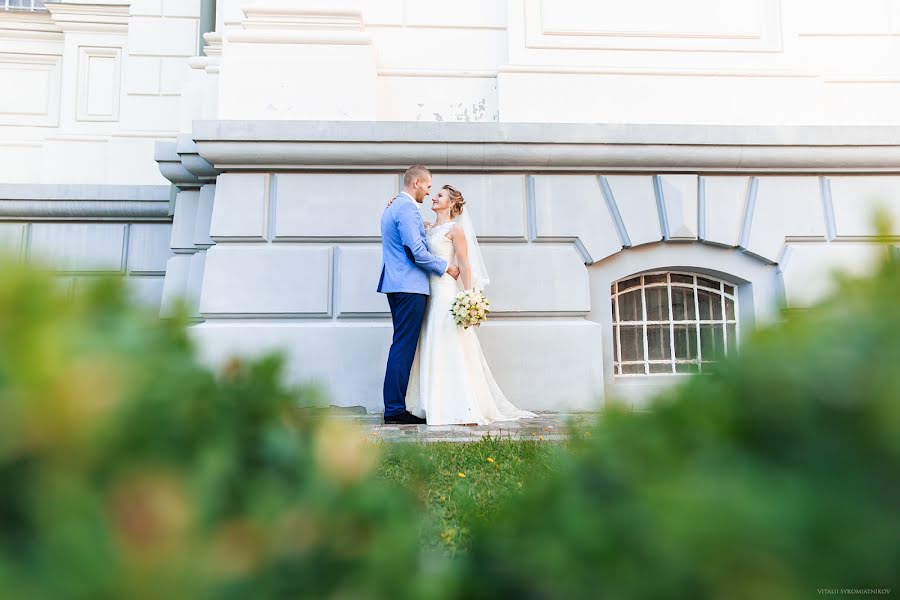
(671, 322)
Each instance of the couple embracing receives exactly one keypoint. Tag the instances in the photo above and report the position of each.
(436, 371)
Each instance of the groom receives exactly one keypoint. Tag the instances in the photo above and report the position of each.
(404, 278)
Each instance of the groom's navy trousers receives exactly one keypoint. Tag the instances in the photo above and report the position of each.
(407, 312)
(404, 278)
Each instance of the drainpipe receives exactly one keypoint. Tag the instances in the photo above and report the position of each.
(207, 21)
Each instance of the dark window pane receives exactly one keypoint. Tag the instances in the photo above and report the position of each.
(710, 305)
(630, 307)
(658, 345)
(629, 283)
(732, 338)
(657, 278)
(712, 342)
(686, 342)
(729, 289)
(678, 278)
(657, 303)
(633, 369)
(632, 339)
(729, 309)
(615, 311)
(612, 289)
(683, 304)
(686, 367)
(615, 343)
(710, 283)
(660, 367)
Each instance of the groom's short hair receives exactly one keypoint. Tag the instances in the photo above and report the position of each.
(415, 172)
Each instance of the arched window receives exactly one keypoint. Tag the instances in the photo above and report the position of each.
(671, 322)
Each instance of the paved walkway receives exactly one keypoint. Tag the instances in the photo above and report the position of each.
(546, 427)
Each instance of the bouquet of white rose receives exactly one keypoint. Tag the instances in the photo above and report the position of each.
(470, 308)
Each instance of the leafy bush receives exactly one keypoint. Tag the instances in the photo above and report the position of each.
(774, 477)
(128, 470)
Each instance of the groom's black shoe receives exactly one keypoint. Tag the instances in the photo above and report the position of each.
(404, 418)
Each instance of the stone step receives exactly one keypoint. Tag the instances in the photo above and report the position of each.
(546, 427)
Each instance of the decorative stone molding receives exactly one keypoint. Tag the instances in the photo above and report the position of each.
(752, 26)
(172, 167)
(29, 25)
(43, 87)
(211, 58)
(213, 52)
(108, 16)
(392, 146)
(192, 161)
(31, 44)
(307, 22)
(38, 202)
(189, 242)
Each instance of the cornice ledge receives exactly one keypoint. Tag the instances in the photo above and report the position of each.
(108, 16)
(29, 202)
(391, 146)
(301, 36)
(335, 22)
(274, 15)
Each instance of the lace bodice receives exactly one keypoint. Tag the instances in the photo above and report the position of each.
(438, 243)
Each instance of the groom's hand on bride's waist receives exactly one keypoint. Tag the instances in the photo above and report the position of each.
(453, 271)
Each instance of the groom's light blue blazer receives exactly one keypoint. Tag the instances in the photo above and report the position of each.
(406, 259)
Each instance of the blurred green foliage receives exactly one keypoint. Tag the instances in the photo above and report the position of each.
(128, 470)
(773, 477)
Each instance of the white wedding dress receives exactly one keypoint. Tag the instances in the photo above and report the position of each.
(450, 382)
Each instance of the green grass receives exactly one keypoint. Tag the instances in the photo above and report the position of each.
(461, 483)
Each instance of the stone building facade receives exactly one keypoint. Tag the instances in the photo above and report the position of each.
(649, 180)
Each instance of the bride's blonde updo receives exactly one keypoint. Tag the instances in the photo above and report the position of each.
(457, 202)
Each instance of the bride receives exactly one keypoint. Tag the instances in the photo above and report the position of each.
(450, 382)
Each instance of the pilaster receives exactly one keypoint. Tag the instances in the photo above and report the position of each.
(283, 62)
